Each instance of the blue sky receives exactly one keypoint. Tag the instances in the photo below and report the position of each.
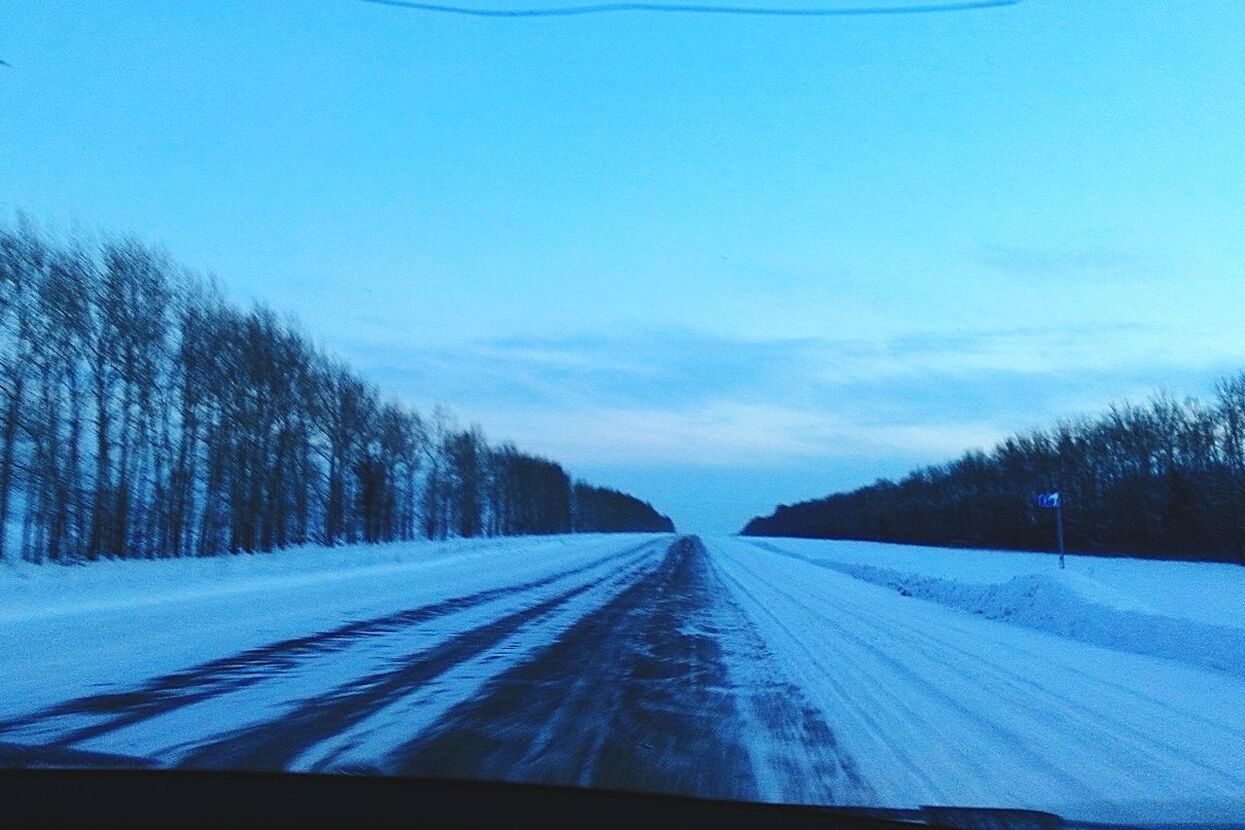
(720, 262)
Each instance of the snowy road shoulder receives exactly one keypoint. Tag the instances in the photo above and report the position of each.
(939, 706)
(1067, 603)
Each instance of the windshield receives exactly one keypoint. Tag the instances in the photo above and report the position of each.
(834, 403)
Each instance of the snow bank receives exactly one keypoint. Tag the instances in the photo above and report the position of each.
(1109, 603)
(1047, 604)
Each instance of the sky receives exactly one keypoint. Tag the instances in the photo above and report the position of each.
(720, 262)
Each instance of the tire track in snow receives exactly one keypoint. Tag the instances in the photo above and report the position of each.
(916, 707)
(851, 704)
(275, 745)
(171, 692)
(639, 695)
(796, 756)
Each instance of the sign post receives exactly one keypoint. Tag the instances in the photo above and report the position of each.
(1052, 501)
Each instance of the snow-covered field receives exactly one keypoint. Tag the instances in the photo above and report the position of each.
(773, 669)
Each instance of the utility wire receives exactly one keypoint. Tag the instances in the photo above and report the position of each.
(694, 8)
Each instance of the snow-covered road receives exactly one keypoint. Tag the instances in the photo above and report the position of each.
(732, 668)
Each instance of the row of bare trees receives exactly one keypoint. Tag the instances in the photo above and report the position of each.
(607, 510)
(1162, 479)
(141, 414)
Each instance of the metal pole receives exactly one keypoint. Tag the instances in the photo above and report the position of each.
(1059, 529)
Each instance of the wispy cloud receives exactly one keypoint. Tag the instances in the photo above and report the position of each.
(734, 434)
(654, 370)
(685, 399)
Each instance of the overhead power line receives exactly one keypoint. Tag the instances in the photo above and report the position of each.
(694, 8)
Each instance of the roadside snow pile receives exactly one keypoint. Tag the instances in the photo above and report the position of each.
(1042, 602)
(1091, 601)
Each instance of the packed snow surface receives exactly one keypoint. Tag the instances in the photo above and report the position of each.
(773, 669)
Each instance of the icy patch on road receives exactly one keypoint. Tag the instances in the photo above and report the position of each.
(1060, 604)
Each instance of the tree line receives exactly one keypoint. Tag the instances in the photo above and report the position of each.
(1163, 479)
(143, 415)
(604, 510)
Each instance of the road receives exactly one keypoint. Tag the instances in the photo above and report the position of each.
(726, 669)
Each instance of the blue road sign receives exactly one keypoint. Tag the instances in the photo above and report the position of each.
(1048, 500)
